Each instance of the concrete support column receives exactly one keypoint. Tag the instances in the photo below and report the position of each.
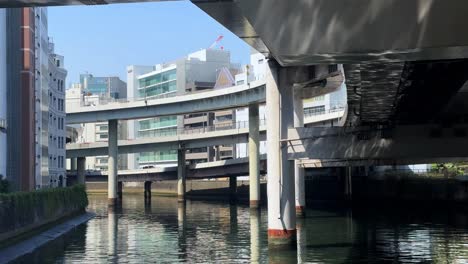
(112, 163)
(280, 187)
(120, 189)
(73, 164)
(147, 191)
(299, 173)
(80, 170)
(217, 153)
(181, 174)
(232, 189)
(254, 157)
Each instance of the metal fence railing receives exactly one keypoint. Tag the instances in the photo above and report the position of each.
(165, 132)
(317, 112)
(416, 173)
(197, 130)
(96, 101)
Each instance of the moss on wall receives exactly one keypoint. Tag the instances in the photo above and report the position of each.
(21, 209)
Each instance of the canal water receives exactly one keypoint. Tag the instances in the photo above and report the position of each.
(216, 232)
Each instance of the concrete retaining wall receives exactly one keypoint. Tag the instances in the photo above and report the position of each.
(196, 188)
(25, 211)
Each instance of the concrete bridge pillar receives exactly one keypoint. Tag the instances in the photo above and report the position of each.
(120, 189)
(232, 189)
(217, 153)
(80, 170)
(299, 172)
(112, 163)
(148, 191)
(73, 164)
(181, 174)
(280, 186)
(254, 158)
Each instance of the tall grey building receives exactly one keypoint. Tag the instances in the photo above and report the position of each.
(32, 113)
(50, 76)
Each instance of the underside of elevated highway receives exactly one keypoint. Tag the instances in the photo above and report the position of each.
(405, 67)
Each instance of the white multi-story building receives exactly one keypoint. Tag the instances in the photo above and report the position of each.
(197, 71)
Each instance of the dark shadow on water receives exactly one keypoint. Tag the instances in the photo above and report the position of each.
(53, 251)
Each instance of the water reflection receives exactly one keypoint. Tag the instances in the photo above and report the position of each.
(301, 240)
(182, 233)
(112, 222)
(165, 231)
(255, 244)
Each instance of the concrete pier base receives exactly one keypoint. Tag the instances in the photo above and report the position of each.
(80, 170)
(181, 175)
(112, 202)
(147, 192)
(300, 211)
(120, 189)
(232, 189)
(254, 204)
(282, 239)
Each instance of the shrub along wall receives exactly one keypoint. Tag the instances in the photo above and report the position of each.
(23, 211)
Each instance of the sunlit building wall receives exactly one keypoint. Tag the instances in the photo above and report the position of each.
(197, 71)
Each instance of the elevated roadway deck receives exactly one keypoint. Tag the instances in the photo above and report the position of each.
(207, 170)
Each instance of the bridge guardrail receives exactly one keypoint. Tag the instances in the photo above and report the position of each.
(317, 112)
(174, 131)
(196, 130)
(97, 101)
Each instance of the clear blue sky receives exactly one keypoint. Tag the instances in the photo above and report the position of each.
(103, 40)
